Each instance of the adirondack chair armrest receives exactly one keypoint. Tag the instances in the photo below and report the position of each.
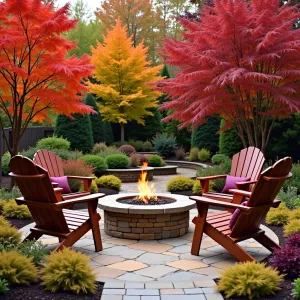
(54, 184)
(22, 201)
(245, 185)
(87, 181)
(84, 199)
(80, 177)
(204, 181)
(212, 177)
(240, 192)
(220, 203)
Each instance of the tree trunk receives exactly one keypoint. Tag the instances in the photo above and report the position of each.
(122, 133)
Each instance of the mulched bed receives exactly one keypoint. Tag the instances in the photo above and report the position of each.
(286, 285)
(35, 291)
(5, 182)
(20, 223)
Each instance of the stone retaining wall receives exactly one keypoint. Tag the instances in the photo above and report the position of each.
(187, 164)
(146, 227)
(167, 170)
(130, 175)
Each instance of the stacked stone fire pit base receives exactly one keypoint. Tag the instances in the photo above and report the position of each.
(146, 222)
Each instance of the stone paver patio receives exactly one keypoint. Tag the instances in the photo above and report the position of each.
(158, 270)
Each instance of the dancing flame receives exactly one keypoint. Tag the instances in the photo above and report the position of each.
(146, 192)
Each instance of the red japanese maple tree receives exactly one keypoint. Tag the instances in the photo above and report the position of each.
(241, 61)
(36, 77)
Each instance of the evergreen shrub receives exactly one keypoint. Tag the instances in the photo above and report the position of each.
(117, 161)
(53, 142)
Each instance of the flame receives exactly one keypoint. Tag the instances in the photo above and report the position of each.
(146, 192)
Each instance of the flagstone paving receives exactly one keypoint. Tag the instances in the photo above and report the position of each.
(158, 270)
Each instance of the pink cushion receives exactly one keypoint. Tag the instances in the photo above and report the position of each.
(231, 182)
(62, 183)
(236, 214)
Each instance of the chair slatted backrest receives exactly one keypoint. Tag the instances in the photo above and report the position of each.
(37, 189)
(263, 194)
(247, 163)
(49, 161)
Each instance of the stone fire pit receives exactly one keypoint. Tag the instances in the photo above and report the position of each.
(146, 222)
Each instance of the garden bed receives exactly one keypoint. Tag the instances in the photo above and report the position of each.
(36, 291)
(286, 284)
(130, 175)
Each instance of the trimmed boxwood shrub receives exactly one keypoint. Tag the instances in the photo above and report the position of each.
(155, 160)
(53, 142)
(218, 159)
(180, 183)
(109, 181)
(77, 130)
(96, 161)
(117, 161)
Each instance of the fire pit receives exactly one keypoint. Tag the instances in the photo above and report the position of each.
(146, 215)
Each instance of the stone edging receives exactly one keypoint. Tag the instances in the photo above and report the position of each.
(187, 164)
(182, 203)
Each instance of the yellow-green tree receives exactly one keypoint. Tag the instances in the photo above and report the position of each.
(124, 79)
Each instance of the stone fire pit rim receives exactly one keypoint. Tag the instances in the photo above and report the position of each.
(182, 204)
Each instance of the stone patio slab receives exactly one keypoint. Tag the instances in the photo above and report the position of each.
(156, 271)
(107, 259)
(187, 265)
(108, 272)
(156, 259)
(151, 247)
(128, 265)
(125, 252)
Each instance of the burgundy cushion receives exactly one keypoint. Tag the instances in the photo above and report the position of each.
(62, 183)
(231, 182)
(236, 214)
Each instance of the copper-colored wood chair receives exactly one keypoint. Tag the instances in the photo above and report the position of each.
(53, 164)
(248, 163)
(261, 199)
(48, 211)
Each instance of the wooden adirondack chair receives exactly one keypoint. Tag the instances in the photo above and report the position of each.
(261, 199)
(247, 163)
(47, 209)
(53, 164)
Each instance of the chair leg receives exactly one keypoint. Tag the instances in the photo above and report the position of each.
(33, 235)
(94, 219)
(228, 244)
(199, 222)
(267, 242)
(74, 236)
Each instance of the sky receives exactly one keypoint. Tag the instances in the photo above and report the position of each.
(92, 4)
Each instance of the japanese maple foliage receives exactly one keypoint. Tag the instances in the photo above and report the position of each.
(36, 77)
(241, 61)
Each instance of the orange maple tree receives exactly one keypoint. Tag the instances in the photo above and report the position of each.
(36, 77)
